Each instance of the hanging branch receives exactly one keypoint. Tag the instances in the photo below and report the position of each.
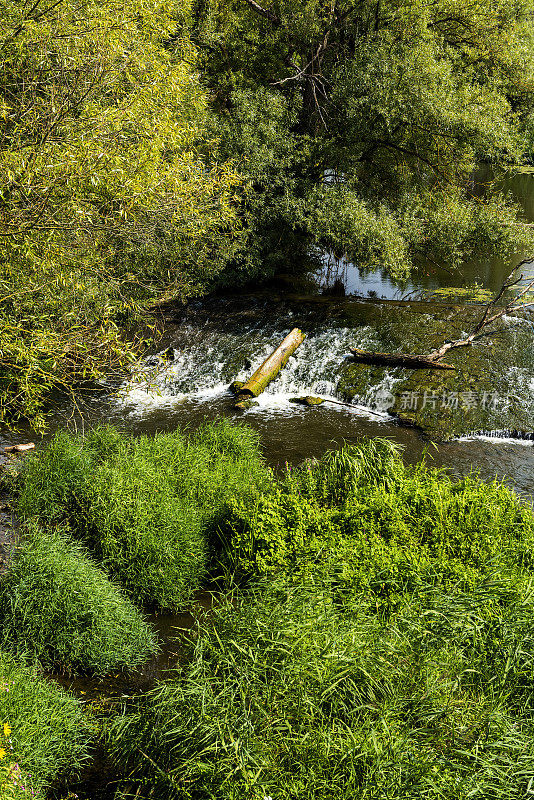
(264, 12)
(309, 74)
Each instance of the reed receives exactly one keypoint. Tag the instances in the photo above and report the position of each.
(288, 696)
(44, 733)
(59, 608)
(147, 508)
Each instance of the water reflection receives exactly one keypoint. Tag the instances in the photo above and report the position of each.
(338, 275)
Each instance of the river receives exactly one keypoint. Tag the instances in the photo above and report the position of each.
(214, 341)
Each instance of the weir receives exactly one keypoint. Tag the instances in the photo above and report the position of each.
(506, 433)
(218, 342)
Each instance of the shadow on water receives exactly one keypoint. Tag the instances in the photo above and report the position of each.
(174, 633)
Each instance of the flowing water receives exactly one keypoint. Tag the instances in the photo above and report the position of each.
(213, 342)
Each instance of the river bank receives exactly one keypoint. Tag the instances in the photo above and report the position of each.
(354, 538)
(184, 384)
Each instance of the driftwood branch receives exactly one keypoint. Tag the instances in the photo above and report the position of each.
(432, 360)
(487, 317)
(311, 400)
(19, 448)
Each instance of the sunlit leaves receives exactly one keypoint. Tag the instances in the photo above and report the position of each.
(108, 194)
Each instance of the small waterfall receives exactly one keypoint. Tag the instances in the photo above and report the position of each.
(217, 342)
(502, 435)
(207, 361)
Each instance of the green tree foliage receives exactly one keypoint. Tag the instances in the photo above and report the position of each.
(107, 196)
(361, 124)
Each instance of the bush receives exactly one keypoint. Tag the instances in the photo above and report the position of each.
(148, 508)
(286, 696)
(58, 607)
(385, 529)
(44, 732)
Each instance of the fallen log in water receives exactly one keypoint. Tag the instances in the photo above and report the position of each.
(271, 366)
(310, 400)
(19, 448)
(398, 360)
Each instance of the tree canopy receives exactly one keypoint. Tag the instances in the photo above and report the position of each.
(107, 196)
(362, 123)
(152, 149)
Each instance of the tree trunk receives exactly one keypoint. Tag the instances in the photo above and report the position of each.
(271, 366)
(399, 360)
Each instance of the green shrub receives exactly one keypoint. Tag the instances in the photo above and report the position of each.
(148, 508)
(384, 528)
(58, 607)
(286, 696)
(43, 732)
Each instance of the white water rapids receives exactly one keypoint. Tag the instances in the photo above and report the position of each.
(211, 361)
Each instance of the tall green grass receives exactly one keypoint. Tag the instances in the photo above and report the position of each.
(43, 732)
(387, 651)
(287, 695)
(148, 508)
(58, 607)
(384, 528)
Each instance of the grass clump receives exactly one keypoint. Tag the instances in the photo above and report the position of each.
(148, 508)
(383, 529)
(288, 696)
(43, 732)
(59, 607)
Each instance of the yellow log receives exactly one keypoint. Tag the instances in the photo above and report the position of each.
(272, 365)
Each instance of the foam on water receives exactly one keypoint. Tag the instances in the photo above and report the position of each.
(210, 362)
(500, 437)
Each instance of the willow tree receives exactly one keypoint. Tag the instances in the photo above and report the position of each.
(361, 124)
(107, 196)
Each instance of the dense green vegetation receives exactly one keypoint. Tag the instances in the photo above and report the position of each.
(371, 636)
(292, 696)
(109, 196)
(43, 732)
(387, 654)
(382, 529)
(148, 508)
(360, 125)
(151, 150)
(58, 607)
